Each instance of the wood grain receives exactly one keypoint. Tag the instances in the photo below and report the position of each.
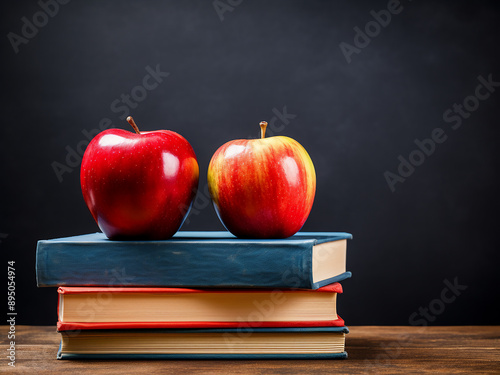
(378, 350)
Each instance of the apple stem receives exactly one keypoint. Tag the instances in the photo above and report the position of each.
(263, 126)
(132, 123)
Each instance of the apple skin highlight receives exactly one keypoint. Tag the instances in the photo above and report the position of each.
(262, 188)
(139, 185)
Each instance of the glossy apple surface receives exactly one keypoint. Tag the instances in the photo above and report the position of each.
(262, 188)
(139, 186)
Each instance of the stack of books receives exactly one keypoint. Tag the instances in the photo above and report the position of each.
(197, 295)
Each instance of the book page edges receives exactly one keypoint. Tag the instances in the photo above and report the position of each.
(328, 260)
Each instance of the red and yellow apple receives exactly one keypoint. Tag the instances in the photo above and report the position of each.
(262, 188)
(139, 185)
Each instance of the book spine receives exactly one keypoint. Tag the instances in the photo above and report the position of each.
(178, 265)
(76, 326)
(234, 330)
(62, 355)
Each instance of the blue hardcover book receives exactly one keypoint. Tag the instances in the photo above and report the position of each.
(307, 260)
(229, 343)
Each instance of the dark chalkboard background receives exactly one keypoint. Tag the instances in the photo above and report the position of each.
(230, 71)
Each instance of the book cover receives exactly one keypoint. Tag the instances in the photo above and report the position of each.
(131, 308)
(306, 260)
(227, 343)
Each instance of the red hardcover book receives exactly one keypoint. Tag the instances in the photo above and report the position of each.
(129, 308)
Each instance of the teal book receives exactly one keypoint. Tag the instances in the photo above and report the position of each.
(307, 260)
(228, 343)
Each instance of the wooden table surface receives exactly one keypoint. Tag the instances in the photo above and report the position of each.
(394, 350)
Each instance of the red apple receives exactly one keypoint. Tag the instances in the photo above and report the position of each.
(139, 185)
(262, 188)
